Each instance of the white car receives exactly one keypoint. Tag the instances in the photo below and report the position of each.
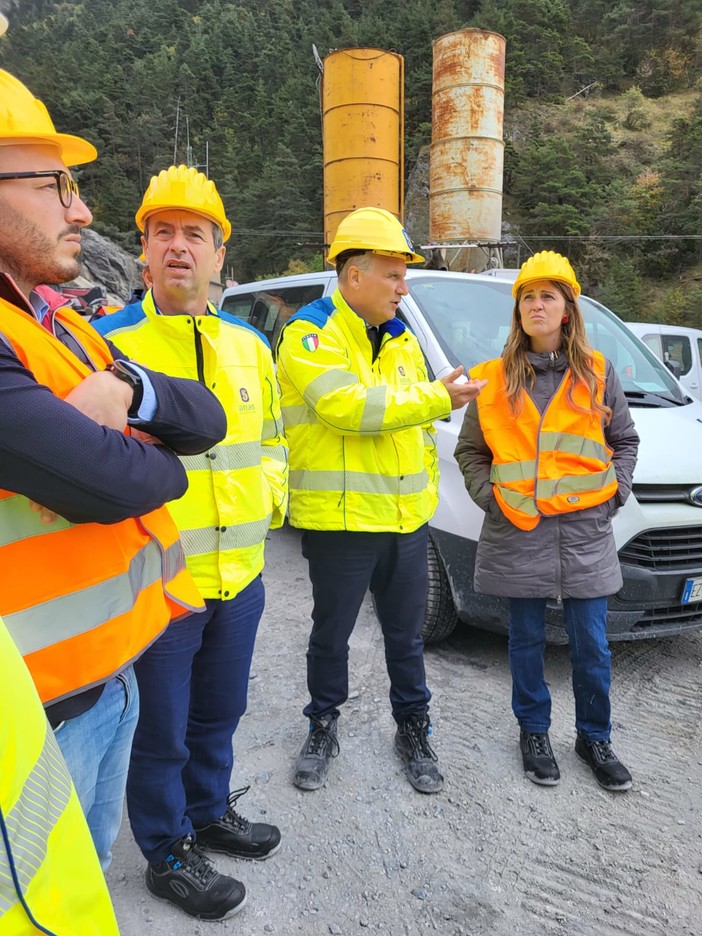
(678, 347)
(460, 318)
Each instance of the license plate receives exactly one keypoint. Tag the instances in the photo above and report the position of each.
(692, 591)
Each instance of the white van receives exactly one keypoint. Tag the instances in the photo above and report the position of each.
(461, 318)
(679, 347)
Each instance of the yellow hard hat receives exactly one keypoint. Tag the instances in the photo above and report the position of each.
(375, 230)
(183, 187)
(24, 119)
(547, 265)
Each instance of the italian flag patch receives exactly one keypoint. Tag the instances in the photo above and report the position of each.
(310, 342)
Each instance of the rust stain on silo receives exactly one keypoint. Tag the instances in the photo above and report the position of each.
(465, 178)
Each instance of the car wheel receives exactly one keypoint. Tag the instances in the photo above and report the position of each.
(440, 618)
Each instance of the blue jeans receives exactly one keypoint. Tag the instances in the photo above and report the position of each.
(96, 748)
(342, 566)
(586, 624)
(193, 683)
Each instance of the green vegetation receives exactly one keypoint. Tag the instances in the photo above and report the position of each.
(623, 161)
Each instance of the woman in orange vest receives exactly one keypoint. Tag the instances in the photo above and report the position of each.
(548, 452)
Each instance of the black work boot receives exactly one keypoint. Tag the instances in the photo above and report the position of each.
(609, 771)
(231, 834)
(537, 756)
(187, 879)
(421, 763)
(314, 760)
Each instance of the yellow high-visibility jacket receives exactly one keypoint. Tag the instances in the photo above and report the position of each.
(51, 851)
(362, 442)
(238, 489)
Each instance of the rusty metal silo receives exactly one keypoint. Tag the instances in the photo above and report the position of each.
(467, 149)
(363, 133)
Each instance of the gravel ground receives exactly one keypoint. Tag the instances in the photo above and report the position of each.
(492, 853)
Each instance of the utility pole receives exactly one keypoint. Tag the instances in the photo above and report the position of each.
(175, 145)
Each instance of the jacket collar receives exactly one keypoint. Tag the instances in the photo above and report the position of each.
(393, 327)
(152, 311)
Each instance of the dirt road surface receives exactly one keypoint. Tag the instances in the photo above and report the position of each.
(492, 854)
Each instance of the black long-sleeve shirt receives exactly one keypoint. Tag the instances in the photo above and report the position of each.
(55, 455)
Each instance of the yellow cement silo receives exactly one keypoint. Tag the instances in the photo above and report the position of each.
(363, 133)
(467, 149)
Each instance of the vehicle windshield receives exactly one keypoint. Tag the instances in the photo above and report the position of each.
(471, 320)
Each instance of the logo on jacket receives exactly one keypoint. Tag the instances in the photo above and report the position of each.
(696, 496)
(310, 342)
(401, 370)
(244, 394)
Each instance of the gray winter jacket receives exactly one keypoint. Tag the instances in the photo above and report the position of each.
(572, 555)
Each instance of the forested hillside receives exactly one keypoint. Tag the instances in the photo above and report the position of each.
(623, 161)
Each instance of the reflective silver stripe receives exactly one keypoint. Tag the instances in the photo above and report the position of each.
(61, 618)
(572, 484)
(573, 445)
(276, 452)
(358, 482)
(206, 540)
(196, 462)
(32, 819)
(513, 471)
(429, 437)
(521, 502)
(299, 415)
(225, 457)
(18, 522)
(326, 382)
(374, 410)
(271, 429)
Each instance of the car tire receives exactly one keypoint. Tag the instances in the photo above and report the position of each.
(441, 617)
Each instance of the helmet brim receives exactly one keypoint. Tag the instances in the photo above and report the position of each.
(407, 256)
(520, 284)
(141, 217)
(74, 151)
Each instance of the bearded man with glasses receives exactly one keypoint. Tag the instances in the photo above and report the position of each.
(92, 565)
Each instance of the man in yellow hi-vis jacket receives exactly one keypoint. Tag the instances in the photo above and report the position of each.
(193, 682)
(358, 408)
(49, 870)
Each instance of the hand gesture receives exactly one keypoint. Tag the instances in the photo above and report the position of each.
(460, 389)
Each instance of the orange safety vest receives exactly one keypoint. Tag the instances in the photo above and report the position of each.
(82, 600)
(545, 463)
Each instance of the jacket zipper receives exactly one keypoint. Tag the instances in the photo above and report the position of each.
(559, 572)
(199, 356)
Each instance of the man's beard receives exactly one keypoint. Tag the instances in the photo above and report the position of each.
(28, 255)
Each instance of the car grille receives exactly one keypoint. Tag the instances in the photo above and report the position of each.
(675, 615)
(677, 548)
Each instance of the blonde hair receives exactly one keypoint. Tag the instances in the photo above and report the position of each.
(520, 374)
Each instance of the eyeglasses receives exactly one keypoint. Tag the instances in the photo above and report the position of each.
(65, 185)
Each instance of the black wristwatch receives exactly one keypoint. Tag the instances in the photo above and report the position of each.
(120, 370)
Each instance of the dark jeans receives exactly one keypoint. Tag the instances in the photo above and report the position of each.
(342, 566)
(193, 686)
(586, 624)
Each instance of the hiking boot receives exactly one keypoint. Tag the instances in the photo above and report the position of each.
(537, 756)
(314, 760)
(188, 879)
(609, 771)
(421, 763)
(233, 835)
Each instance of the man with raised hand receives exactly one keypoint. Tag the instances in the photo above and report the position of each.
(358, 408)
